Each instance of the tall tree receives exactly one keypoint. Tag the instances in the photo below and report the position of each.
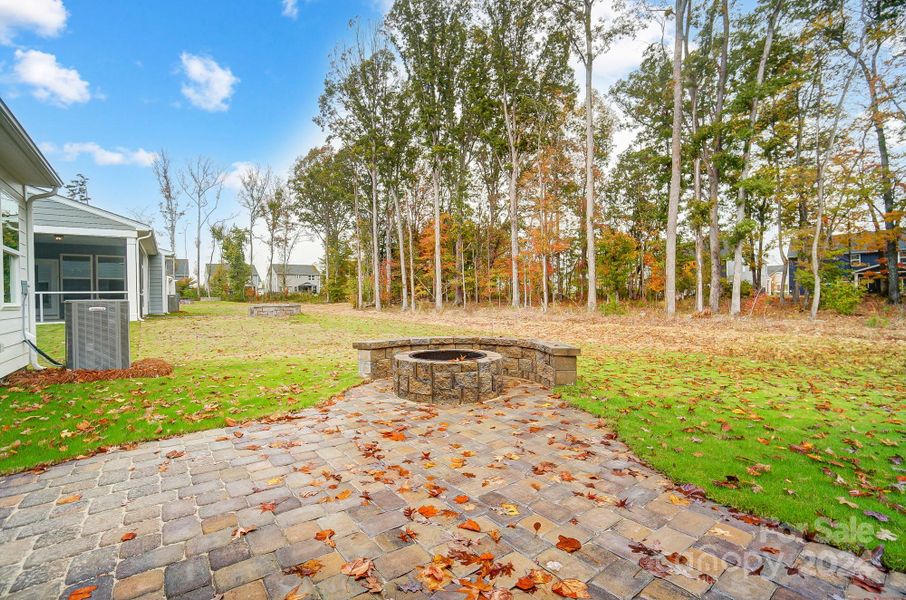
(170, 209)
(675, 158)
(323, 202)
(202, 182)
(255, 183)
(431, 37)
(77, 189)
(590, 39)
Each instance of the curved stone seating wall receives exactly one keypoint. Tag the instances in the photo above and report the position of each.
(274, 310)
(547, 363)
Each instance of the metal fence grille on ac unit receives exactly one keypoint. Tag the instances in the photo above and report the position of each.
(97, 334)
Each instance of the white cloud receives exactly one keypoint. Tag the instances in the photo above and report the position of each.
(209, 85)
(51, 82)
(233, 178)
(102, 156)
(47, 18)
(291, 8)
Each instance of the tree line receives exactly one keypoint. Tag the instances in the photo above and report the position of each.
(464, 163)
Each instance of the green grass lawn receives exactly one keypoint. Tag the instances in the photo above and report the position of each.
(780, 441)
(788, 436)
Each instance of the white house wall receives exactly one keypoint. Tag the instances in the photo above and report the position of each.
(14, 353)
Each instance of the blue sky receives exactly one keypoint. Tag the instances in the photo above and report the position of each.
(111, 84)
(103, 84)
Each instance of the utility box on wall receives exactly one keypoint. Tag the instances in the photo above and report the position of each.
(97, 334)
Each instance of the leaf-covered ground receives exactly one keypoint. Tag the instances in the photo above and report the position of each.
(798, 421)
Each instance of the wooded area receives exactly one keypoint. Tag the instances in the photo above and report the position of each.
(464, 164)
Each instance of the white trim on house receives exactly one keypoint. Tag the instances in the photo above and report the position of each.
(86, 231)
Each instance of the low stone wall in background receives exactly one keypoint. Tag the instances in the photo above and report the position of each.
(274, 310)
(547, 363)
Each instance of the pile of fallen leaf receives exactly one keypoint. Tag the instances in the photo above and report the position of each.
(38, 380)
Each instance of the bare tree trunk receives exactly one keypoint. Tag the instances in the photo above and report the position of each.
(675, 162)
(358, 251)
(514, 235)
(375, 253)
(438, 285)
(401, 242)
(592, 302)
(713, 181)
(735, 300)
(388, 252)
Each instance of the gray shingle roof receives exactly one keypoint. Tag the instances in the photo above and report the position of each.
(296, 270)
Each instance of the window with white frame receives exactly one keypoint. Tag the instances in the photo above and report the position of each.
(855, 258)
(12, 247)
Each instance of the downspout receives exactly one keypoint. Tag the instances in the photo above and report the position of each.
(28, 337)
(138, 249)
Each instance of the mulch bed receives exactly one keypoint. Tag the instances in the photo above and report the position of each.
(38, 380)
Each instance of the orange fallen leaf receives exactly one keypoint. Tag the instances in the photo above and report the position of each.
(461, 499)
(268, 506)
(82, 593)
(470, 525)
(571, 588)
(128, 536)
(325, 536)
(358, 568)
(427, 511)
(70, 499)
(568, 544)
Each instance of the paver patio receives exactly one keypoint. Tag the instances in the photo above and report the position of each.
(226, 511)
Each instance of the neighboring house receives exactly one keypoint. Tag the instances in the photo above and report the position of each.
(85, 252)
(772, 281)
(254, 280)
(861, 255)
(22, 169)
(294, 278)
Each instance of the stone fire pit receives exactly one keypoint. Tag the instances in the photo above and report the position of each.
(448, 376)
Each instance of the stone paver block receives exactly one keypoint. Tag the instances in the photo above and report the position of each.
(244, 572)
(181, 529)
(250, 591)
(139, 585)
(91, 564)
(187, 575)
(397, 563)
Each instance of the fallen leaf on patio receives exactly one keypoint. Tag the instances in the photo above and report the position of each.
(568, 544)
(865, 584)
(358, 568)
(525, 583)
(373, 584)
(536, 526)
(495, 535)
(268, 506)
(174, 454)
(457, 462)
(770, 550)
(70, 499)
(500, 594)
(678, 500)
(128, 536)
(510, 510)
(324, 536)
(553, 565)
(293, 594)
(427, 511)
(306, 569)
(410, 587)
(461, 499)
(275, 481)
(241, 531)
(435, 577)
(470, 525)
(344, 494)
(407, 535)
(231, 422)
(82, 593)
(571, 588)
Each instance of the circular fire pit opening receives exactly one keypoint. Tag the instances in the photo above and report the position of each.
(453, 376)
(448, 355)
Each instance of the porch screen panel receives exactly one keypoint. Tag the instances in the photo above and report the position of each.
(111, 276)
(75, 276)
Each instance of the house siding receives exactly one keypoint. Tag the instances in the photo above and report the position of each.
(14, 353)
(155, 289)
(50, 213)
